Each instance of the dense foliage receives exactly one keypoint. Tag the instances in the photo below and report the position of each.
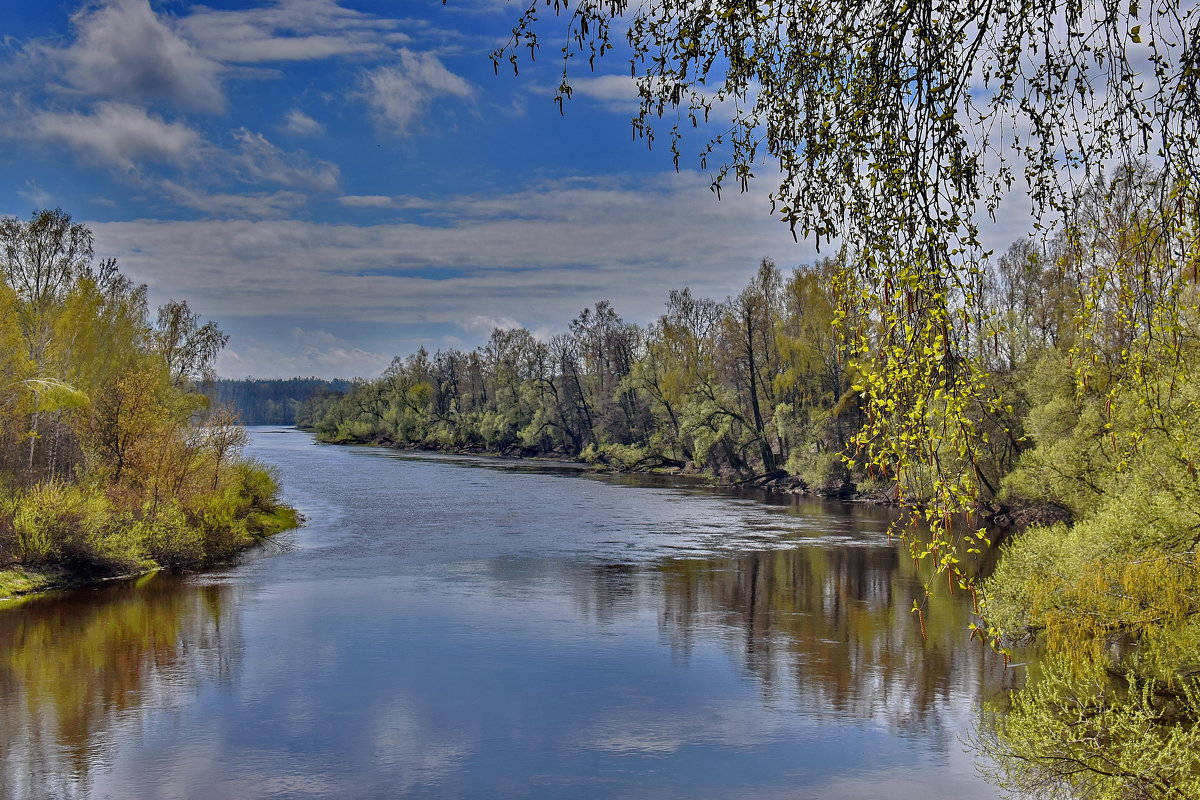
(1114, 599)
(740, 387)
(110, 458)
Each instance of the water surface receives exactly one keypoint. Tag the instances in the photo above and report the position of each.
(469, 628)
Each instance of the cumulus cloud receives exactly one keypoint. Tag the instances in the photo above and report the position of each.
(117, 134)
(302, 124)
(399, 94)
(124, 50)
(618, 93)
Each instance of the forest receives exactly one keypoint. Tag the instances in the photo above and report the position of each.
(268, 401)
(112, 460)
(1083, 397)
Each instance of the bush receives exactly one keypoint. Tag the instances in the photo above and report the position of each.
(824, 473)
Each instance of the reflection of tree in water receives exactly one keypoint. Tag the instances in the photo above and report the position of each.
(834, 627)
(609, 590)
(73, 668)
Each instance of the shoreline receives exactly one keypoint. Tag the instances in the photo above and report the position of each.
(1003, 519)
(19, 582)
(779, 482)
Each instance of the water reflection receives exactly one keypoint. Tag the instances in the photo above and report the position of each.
(78, 670)
(833, 628)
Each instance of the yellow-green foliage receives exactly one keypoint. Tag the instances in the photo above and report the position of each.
(243, 511)
(21, 581)
(498, 429)
(81, 525)
(1078, 585)
(819, 470)
(110, 458)
(1077, 732)
(1116, 593)
(1115, 597)
(619, 456)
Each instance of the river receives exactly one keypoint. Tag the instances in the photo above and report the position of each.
(455, 627)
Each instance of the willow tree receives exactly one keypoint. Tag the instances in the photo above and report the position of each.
(895, 127)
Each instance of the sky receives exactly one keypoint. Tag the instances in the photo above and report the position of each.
(338, 182)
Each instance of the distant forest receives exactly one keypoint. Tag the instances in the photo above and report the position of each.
(270, 401)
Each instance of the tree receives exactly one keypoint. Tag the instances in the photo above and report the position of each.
(752, 319)
(41, 260)
(188, 347)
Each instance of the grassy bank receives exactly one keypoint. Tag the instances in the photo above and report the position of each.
(56, 534)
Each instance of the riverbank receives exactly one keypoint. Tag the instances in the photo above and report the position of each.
(1003, 519)
(779, 482)
(19, 581)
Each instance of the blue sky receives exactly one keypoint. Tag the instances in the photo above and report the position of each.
(338, 182)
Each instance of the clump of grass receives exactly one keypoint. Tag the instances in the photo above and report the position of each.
(17, 581)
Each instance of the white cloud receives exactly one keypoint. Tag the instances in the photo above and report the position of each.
(127, 137)
(367, 201)
(306, 352)
(614, 92)
(484, 325)
(258, 160)
(35, 194)
(536, 256)
(399, 94)
(302, 124)
(290, 30)
(383, 201)
(118, 134)
(620, 94)
(228, 204)
(124, 50)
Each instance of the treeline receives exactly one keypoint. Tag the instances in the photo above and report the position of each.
(111, 459)
(262, 401)
(743, 386)
(1080, 355)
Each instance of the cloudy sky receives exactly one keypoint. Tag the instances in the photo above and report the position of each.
(336, 182)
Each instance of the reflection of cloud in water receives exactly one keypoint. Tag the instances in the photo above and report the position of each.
(957, 780)
(654, 728)
(294, 785)
(409, 751)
